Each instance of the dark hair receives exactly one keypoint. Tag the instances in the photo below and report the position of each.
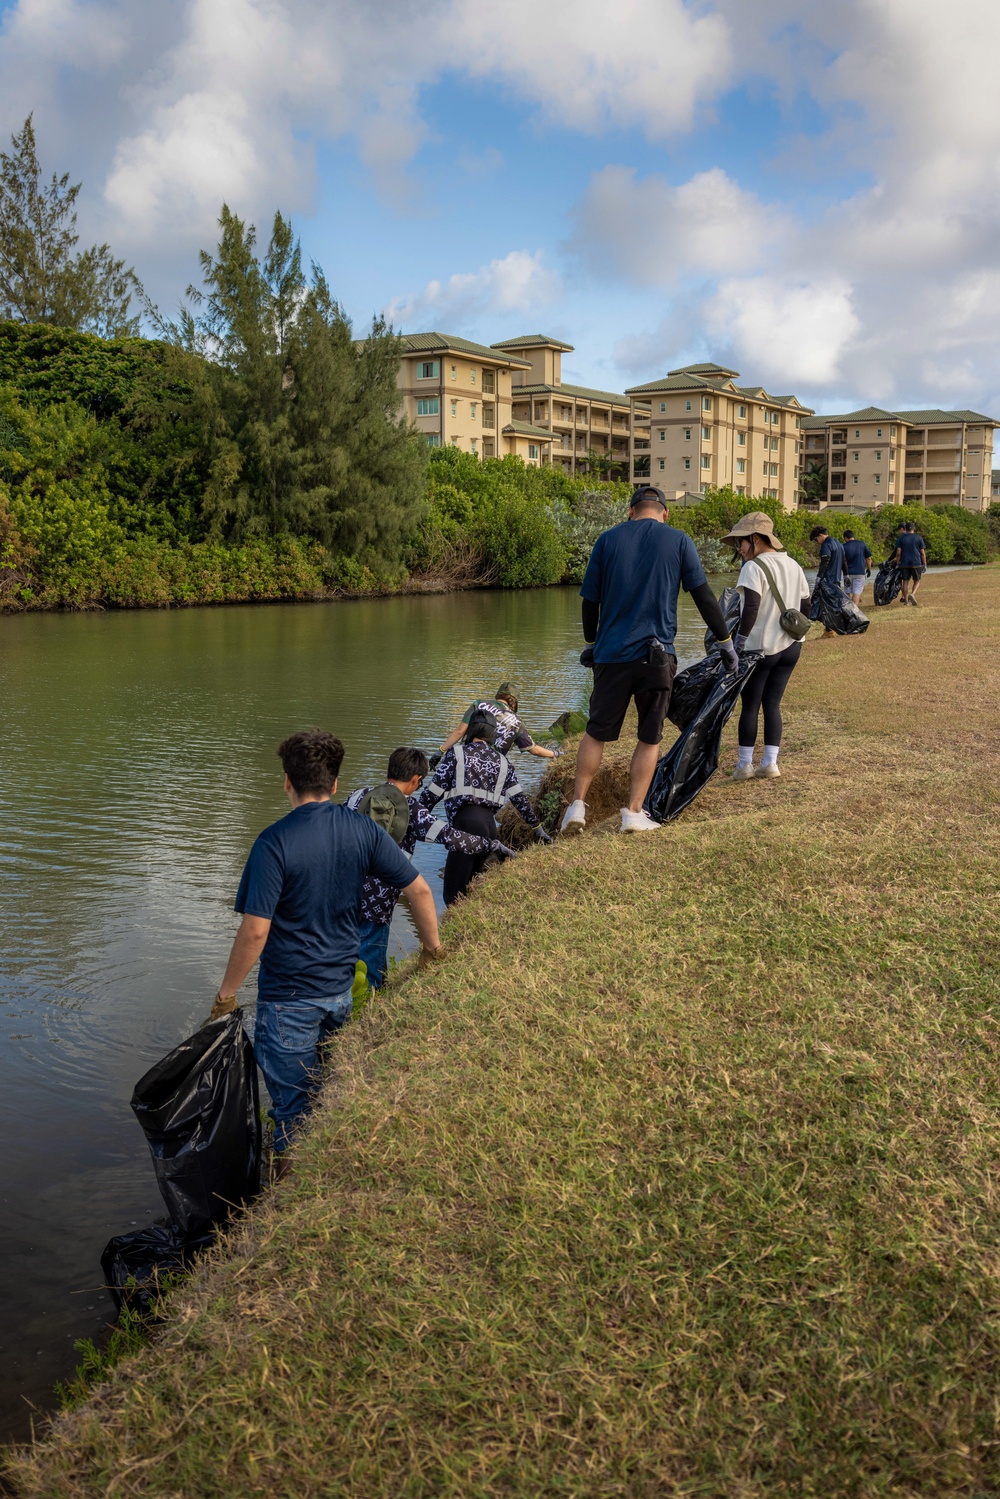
(848, 535)
(405, 763)
(910, 526)
(311, 760)
(509, 699)
(481, 726)
(817, 532)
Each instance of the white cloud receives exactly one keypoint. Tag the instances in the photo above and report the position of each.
(658, 234)
(644, 64)
(520, 282)
(785, 333)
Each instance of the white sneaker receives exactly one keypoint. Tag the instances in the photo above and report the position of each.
(574, 819)
(744, 773)
(767, 773)
(638, 822)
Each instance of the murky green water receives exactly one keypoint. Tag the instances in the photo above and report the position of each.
(137, 765)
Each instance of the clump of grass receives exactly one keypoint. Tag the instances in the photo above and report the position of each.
(679, 1178)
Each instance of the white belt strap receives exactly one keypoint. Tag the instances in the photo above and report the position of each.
(494, 798)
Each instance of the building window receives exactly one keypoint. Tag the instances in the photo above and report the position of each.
(795, 472)
(857, 431)
(878, 432)
(706, 433)
(741, 439)
(765, 468)
(433, 440)
(663, 435)
(472, 445)
(774, 444)
(663, 464)
(472, 410)
(663, 405)
(428, 406)
(706, 461)
(878, 478)
(855, 456)
(706, 403)
(741, 411)
(878, 456)
(796, 447)
(892, 431)
(454, 408)
(741, 465)
(740, 489)
(428, 370)
(687, 463)
(687, 434)
(687, 405)
(854, 478)
(798, 423)
(472, 377)
(489, 385)
(454, 372)
(487, 447)
(532, 450)
(774, 470)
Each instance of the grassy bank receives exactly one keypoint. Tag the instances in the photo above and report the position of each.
(680, 1177)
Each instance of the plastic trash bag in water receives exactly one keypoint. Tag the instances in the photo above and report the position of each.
(836, 610)
(200, 1111)
(888, 582)
(731, 604)
(692, 686)
(693, 758)
(135, 1265)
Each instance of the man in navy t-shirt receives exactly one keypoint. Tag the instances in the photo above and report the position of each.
(911, 559)
(630, 588)
(858, 561)
(832, 568)
(299, 897)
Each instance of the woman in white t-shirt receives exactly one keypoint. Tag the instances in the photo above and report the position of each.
(760, 630)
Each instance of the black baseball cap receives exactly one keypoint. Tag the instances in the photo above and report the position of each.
(647, 492)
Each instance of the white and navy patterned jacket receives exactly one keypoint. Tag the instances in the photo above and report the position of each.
(510, 729)
(378, 900)
(476, 774)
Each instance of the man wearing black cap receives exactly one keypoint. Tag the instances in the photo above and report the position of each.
(629, 592)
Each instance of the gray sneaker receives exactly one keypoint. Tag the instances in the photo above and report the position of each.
(767, 773)
(743, 773)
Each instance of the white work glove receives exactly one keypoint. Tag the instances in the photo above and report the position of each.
(729, 656)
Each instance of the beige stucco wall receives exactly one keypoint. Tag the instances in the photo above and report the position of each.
(889, 463)
(464, 406)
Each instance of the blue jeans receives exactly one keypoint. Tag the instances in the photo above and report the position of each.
(374, 950)
(286, 1041)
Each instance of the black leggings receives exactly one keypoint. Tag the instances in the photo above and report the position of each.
(765, 688)
(459, 868)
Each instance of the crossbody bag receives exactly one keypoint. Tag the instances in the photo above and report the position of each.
(792, 621)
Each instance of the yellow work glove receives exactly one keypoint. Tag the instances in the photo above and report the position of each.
(224, 1004)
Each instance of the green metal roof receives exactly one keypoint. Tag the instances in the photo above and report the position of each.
(433, 343)
(704, 369)
(928, 418)
(525, 429)
(580, 392)
(532, 340)
(679, 381)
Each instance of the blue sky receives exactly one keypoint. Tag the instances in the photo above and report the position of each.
(806, 190)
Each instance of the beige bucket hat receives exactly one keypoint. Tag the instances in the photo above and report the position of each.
(756, 523)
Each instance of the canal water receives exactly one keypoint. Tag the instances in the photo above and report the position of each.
(137, 764)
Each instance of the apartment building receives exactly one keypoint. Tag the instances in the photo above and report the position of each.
(458, 394)
(695, 429)
(580, 420)
(878, 457)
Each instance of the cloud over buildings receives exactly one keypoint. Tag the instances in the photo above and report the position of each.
(519, 282)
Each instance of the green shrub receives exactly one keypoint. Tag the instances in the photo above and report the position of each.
(517, 541)
(932, 525)
(971, 533)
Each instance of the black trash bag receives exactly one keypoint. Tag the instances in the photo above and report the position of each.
(836, 610)
(731, 604)
(888, 582)
(133, 1264)
(692, 686)
(693, 758)
(200, 1111)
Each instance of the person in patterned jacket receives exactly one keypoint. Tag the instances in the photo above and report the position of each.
(510, 729)
(407, 768)
(473, 780)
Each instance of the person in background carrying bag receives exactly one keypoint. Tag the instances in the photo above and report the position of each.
(768, 580)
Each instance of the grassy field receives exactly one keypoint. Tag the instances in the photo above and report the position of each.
(679, 1178)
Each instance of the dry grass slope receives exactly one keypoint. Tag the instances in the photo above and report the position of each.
(680, 1178)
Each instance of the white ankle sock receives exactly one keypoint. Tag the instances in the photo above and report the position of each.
(770, 756)
(746, 756)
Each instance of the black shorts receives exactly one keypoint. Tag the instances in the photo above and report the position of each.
(911, 574)
(616, 684)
